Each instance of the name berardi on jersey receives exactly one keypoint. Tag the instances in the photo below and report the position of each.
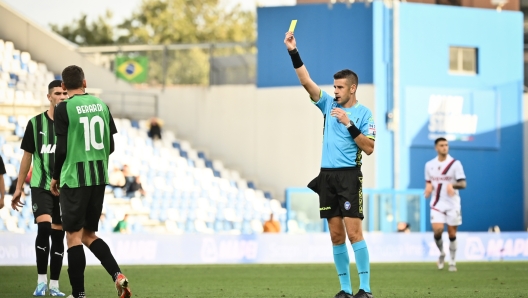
(89, 108)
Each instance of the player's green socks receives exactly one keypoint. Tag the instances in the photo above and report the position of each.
(362, 264)
(342, 263)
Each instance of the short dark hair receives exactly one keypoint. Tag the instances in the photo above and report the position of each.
(441, 139)
(72, 77)
(347, 74)
(54, 84)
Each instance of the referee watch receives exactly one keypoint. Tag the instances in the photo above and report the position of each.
(349, 124)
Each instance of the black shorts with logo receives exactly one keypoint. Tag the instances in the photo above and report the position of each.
(81, 207)
(44, 202)
(340, 192)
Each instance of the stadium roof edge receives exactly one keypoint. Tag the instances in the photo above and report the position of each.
(45, 30)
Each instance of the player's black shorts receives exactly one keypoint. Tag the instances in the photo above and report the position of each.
(81, 207)
(340, 192)
(44, 202)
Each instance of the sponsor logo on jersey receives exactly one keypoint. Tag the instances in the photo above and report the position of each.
(444, 178)
(47, 149)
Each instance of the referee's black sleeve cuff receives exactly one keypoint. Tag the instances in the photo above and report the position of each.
(354, 131)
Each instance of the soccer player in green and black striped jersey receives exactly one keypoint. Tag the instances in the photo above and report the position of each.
(38, 144)
(84, 129)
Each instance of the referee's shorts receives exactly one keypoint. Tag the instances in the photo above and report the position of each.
(340, 192)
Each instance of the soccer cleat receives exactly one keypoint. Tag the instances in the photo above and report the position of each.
(55, 292)
(343, 294)
(452, 268)
(362, 294)
(122, 286)
(440, 262)
(40, 290)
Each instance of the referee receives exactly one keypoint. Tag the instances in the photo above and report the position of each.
(349, 130)
(85, 129)
(38, 144)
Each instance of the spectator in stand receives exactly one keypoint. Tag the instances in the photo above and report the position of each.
(404, 227)
(271, 226)
(135, 187)
(2, 183)
(117, 178)
(129, 177)
(132, 183)
(122, 226)
(12, 188)
(155, 129)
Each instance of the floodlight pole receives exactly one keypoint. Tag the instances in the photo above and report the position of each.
(211, 64)
(164, 73)
(396, 127)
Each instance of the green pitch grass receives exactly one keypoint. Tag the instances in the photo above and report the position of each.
(491, 279)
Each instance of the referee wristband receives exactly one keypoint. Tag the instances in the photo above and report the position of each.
(296, 58)
(353, 130)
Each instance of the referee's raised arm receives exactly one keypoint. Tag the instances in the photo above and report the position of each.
(300, 69)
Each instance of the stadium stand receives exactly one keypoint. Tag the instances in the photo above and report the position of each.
(22, 80)
(186, 192)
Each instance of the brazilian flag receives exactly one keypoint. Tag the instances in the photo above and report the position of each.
(132, 69)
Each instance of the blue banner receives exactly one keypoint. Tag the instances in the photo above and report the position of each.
(466, 118)
(149, 249)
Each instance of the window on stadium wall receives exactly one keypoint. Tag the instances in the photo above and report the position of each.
(463, 61)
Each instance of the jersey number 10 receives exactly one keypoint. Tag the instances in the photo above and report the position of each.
(89, 132)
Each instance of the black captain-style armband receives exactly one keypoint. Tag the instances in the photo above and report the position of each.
(296, 58)
(353, 130)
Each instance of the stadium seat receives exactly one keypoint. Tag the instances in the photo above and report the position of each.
(246, 227)
(186, 192)
(118, 192)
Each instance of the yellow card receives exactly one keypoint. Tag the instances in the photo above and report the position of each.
(292, 25)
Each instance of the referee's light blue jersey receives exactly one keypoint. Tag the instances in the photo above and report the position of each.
(339, 149)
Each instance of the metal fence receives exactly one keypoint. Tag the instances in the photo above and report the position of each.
(132, 105)
(383, 210)
(185, 64)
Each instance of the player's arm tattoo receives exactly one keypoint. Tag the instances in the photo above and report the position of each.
(460, 184)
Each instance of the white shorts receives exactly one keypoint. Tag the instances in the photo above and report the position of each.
(451, 217)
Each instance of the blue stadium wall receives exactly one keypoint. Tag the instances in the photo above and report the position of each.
(361, 38)
(492, 155)
(329, 39)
